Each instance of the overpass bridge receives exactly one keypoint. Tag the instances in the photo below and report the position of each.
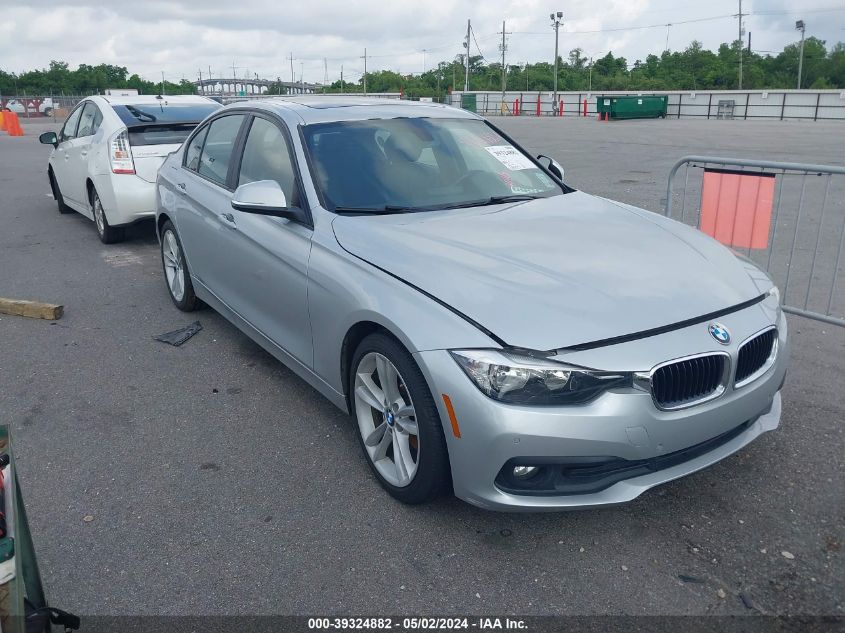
(238, 87)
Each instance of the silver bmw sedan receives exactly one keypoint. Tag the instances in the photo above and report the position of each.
(491, 330)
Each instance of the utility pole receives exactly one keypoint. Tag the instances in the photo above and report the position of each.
(162, 82)
(741, 33)
(365, 71)
(342, 88)
(201, 87)
(668, 26)
(466, 44)
(556, 18)
(292, 77)
(423, 52)
(590, 88)
(800, 26)
(503, 47)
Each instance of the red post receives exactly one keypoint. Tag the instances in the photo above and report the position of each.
(538, 104)
(585, 107)
(561, 107)
(516, 107)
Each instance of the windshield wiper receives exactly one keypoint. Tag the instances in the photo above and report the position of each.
(483, 202)
(388, 208)
(393, 208)
(140, 114)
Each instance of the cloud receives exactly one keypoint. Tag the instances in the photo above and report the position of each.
(183, 38)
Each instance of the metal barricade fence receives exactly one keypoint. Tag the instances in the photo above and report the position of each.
(788, 218)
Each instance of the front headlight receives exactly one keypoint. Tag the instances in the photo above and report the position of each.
(518, 379)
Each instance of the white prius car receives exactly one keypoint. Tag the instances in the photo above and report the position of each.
(107, 154)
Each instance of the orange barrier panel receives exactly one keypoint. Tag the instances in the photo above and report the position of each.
(2, 120)
(736, 207)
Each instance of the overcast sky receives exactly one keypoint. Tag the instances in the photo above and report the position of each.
(182, 38)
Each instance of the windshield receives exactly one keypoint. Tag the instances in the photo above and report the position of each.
(407, 164)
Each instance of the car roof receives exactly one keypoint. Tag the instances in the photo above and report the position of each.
(328, 108)
(154, 99)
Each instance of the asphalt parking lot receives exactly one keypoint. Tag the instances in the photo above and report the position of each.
(208, 479)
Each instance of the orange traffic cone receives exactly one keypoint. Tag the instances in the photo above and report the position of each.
(14, 127)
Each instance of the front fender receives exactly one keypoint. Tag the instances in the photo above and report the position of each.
(344, 290)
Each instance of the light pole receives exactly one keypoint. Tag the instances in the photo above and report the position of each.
(799, 25)
(557, 19)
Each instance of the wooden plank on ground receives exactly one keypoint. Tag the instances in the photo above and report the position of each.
(32, 309)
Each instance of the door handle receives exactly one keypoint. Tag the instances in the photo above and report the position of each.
(181, 187)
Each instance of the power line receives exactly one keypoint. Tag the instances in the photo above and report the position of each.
(478, 48)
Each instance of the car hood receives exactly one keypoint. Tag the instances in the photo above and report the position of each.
(555, 272)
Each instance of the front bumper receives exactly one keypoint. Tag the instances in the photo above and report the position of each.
(623, 424)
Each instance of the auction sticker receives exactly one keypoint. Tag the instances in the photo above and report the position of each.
(510, 157)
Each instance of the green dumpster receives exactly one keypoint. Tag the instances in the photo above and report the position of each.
(468, 102)
(632, 106)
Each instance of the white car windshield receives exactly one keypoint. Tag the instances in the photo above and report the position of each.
(420, 164)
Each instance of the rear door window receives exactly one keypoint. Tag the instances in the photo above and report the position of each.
(194, 149)
(90, 120)
(217, 150)
(69, 129)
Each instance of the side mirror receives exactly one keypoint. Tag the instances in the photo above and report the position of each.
(49, 138)
(265, 197)
(552, 165)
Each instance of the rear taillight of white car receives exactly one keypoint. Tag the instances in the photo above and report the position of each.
(120, 154)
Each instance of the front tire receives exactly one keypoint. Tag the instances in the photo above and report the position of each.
(176, 272)
(108, 234)
(399, 426)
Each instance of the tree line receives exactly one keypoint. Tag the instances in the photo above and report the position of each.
(693, 68)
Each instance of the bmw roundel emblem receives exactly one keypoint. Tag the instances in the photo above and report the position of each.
(719, 332)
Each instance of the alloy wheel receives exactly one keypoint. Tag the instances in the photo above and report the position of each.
(174, 268)
(386, 419)
(98, 214)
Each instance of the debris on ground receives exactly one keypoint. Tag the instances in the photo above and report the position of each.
(177, 337)
(788, 555)
(690, 579)
(31, 309)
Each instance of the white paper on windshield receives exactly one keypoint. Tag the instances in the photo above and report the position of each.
(510, 157)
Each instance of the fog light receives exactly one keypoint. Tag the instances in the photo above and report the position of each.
(524, 472)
